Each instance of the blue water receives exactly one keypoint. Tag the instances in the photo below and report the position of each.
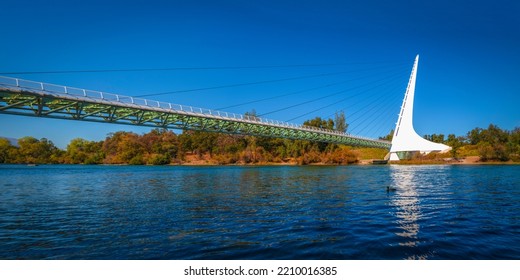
(172, 212)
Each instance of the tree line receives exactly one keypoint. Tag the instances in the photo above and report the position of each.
(160, 146)
(491, 144)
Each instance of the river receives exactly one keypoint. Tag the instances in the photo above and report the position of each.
(260, 212)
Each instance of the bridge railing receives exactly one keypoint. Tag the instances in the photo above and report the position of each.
(54, 89)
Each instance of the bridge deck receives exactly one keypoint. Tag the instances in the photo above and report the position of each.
(29, 98)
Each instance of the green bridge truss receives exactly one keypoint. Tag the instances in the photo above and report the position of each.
(29, 98)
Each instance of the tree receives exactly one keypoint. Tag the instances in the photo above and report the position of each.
(492, 143)
(474, 136)
(198, 142)
(123, 147)
(81, 151)
(497, 139)
(340, 121)
(513, 144)
(437, 138)
(320, 123)
(41, 151)
(6, 150)
(160, 145)
(389, 136)
(455, 143)
(253, 116)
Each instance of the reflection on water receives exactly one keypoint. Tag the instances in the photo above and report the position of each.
(419, 196)
(407, 202)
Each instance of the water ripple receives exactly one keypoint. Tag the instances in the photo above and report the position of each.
(126, 212)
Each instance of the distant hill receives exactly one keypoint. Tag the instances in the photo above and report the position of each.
(13, 141)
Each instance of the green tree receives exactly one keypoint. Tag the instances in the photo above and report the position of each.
(513, 144)
(497, 139)
(437, 138)
(340, 121)
(455, 143)
(474, 136)
(81, 151)
(492, 143)
(320, 123)
(252, 115)
(389, 136)
(161, 146)
(202, 142)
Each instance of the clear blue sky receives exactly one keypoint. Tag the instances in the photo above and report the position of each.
(469, 71)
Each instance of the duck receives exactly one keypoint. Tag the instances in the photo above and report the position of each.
(390, 189)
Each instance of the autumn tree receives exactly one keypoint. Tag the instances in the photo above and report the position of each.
(123, 147)
(6, 150)
(32, 150)
(161, 146)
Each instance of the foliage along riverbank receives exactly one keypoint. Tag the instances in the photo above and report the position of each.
(160, 147)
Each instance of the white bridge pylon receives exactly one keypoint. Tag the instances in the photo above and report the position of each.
(405, 140)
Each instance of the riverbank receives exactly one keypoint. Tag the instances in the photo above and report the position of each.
(193, 160)
(472, 160)
(163, 147)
